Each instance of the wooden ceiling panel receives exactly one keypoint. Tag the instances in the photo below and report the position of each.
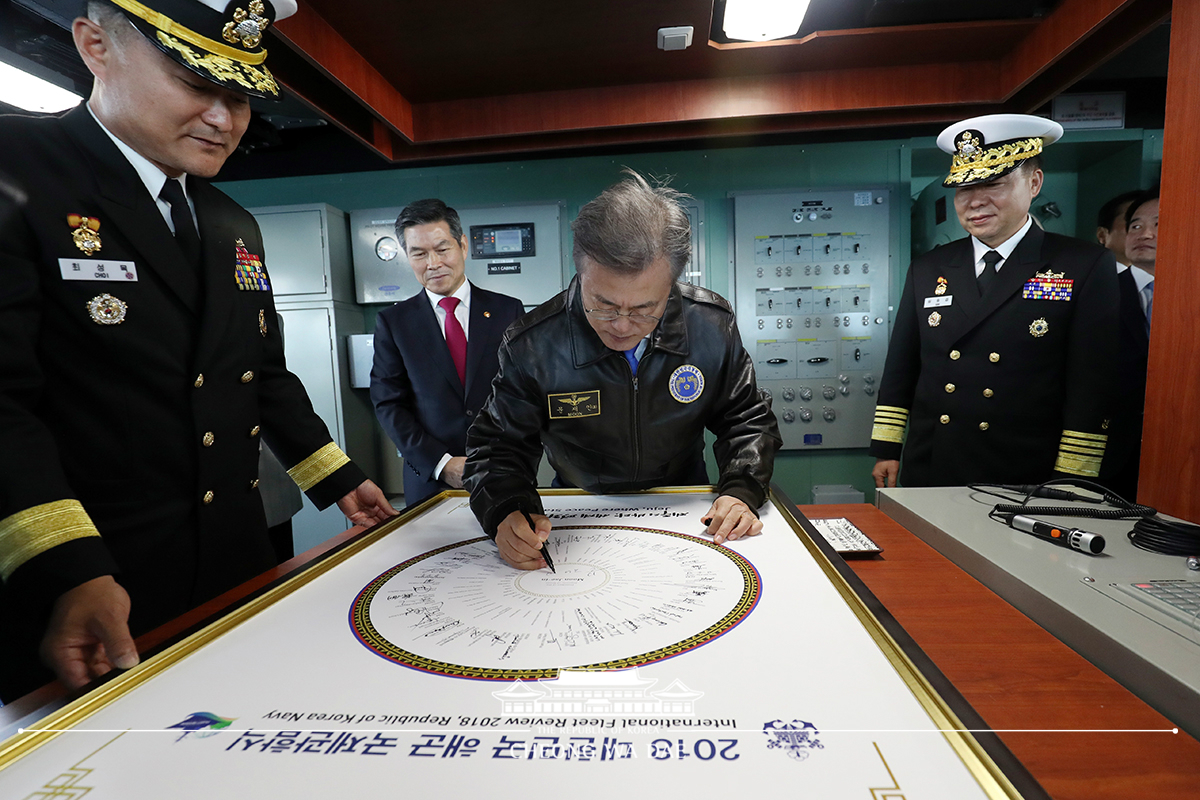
(707, 100)
(526, 74)
(535, 45)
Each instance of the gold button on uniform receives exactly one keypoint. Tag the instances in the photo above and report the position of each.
(994, 357)
(955, 355)
(199, 380)
(988, 393)
(248, 375)
(254, 483)
(945, 419)
(208, 497)
(208, 439)
(254, 431)
(950, 388)
(983, 426)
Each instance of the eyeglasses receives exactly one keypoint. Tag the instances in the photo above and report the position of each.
(607, 315)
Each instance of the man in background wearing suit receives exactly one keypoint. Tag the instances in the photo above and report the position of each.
(435, 353)
(1136, 281)
(1002, 358)
(141, 360)
(1110, 226)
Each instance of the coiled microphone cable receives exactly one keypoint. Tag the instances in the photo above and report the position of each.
(1150, 532)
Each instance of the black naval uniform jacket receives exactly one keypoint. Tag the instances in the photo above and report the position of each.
(605, 430)
(1121, 461)
(1007, 388)
(131, 448)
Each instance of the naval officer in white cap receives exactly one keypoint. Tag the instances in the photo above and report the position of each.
(1002, 358)
(142, 361)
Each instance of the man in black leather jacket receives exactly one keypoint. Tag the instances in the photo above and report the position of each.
(618, 377)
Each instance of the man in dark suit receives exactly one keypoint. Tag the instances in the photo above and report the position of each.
(1001, 362)
(141, 358)
(1136, 280)
(435, 353)
(1110, 226)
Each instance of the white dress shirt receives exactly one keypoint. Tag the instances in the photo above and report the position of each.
(1004, 249)
(462, 313)
(151, 176)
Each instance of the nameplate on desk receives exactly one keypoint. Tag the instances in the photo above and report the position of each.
(845, 537)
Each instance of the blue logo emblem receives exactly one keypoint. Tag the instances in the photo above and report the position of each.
(202, 723)
(687, 383)
(797, 738)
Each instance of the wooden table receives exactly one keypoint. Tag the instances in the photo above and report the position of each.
(1045, 701)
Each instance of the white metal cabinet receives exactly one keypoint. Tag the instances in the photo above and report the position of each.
(306, 251)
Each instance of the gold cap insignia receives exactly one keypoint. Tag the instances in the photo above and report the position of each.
(935, 319)
(1039, 327)
(247, 27)
(86, 233)
(974, 162)
(224, 47)
(105, 309)
(968, 144)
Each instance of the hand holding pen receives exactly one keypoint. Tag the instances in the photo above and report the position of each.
(520, 538)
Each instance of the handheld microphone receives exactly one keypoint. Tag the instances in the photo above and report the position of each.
(1073, 538)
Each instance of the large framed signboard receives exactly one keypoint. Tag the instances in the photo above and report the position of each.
(415, 659)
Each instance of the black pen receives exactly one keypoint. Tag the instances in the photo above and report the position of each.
(545, 552)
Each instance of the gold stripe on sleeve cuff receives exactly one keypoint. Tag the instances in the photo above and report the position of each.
(35, 530)
(1073, 465)
(890, 422)
(1081, 453)
(888, 433)
(1095, 437)
(319, 466)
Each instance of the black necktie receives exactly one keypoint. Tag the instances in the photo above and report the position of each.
(181, 218)
(988, 276)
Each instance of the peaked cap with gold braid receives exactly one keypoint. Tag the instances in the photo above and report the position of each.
(223, 43)
(985, 148)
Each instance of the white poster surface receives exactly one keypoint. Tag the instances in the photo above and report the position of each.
(653, 660)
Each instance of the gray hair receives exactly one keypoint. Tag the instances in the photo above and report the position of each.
(427, 212)
(633, 224)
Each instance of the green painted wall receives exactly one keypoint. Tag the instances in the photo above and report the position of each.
(710, 176)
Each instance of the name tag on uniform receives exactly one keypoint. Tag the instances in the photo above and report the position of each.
(569, 405)
(94, 269)
(938, 302)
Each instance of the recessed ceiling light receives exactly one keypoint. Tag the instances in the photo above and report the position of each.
(763, 20)
(19, 88)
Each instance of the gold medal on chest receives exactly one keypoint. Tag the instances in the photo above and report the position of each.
(262, 321)
(85, 232)
(941, 287)
(935, 319)
(1039, 327)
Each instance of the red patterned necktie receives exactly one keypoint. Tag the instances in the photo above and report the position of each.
(456, 338)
